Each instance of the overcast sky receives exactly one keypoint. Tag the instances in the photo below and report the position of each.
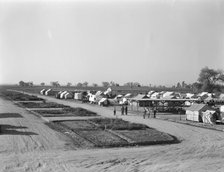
(151, 42)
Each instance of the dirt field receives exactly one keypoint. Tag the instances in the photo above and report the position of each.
(29, 145)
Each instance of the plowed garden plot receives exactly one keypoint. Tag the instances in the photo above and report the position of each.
(42, 105)
(80, 111)
(77, 141)
(102, 138)
(19, 96)
(148, 136)
(117, 124)
(66, 112)
(78, 125)
(98, 132)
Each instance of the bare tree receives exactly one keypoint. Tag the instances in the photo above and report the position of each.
(105, 84)
(21, 83)
(112, 83)
(178, 85)
(95, 85)
(79, 84)
(132, 84)
(85, 84)
(55, 84)
(210, 79)
(25, 84)
(69, 84)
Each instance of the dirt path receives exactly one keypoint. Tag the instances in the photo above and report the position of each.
(200, 149)
(24, 132)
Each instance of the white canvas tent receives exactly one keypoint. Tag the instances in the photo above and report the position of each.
(123, 101)
(108, 91)
(155, 95)
(103, 102)
(168, 94)
(42, 91)
(57, 95)
(46, 92)
(189, 95)
(194, 112)
(209, 117)
(63, 94)
(139, 97)
(68, 95)
(98, 93)
(128, 95)
(78, 96)
(92, 98)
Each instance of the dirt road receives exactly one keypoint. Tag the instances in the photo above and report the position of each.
(37, 148)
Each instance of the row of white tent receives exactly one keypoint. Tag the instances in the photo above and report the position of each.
(62, 94)
(177, 95)
(98, 97)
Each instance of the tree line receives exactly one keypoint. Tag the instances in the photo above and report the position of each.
(209, 80)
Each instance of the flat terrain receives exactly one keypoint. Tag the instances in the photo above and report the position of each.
(27, 144)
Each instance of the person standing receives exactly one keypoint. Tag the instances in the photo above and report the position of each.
(154, 111)
(148, 113)
(126, 110)
(114, 110)
(144, 113)
(122, 110)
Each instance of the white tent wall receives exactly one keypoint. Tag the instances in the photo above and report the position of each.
(62, 94)
(46, 92)
(167, 94)
(68, 95)
(78, 96)
(57, 95)
(192, 115)
(42, 91)
(208, 117)
(92, 98)
(98, 93)
(103, 102)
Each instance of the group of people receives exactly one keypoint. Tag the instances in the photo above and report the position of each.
(147, 112)
(124, 110)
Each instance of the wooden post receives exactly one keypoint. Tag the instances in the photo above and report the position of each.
(137, 106)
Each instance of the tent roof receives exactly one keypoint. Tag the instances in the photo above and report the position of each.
(196, 107)
(221, 96)
(210, 111)
(139, 97)
(209, 98)
(168, 93)
(170, 97)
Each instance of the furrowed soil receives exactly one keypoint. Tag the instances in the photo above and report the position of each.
(27, 144)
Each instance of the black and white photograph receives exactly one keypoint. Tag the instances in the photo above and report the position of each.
(111, 85)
